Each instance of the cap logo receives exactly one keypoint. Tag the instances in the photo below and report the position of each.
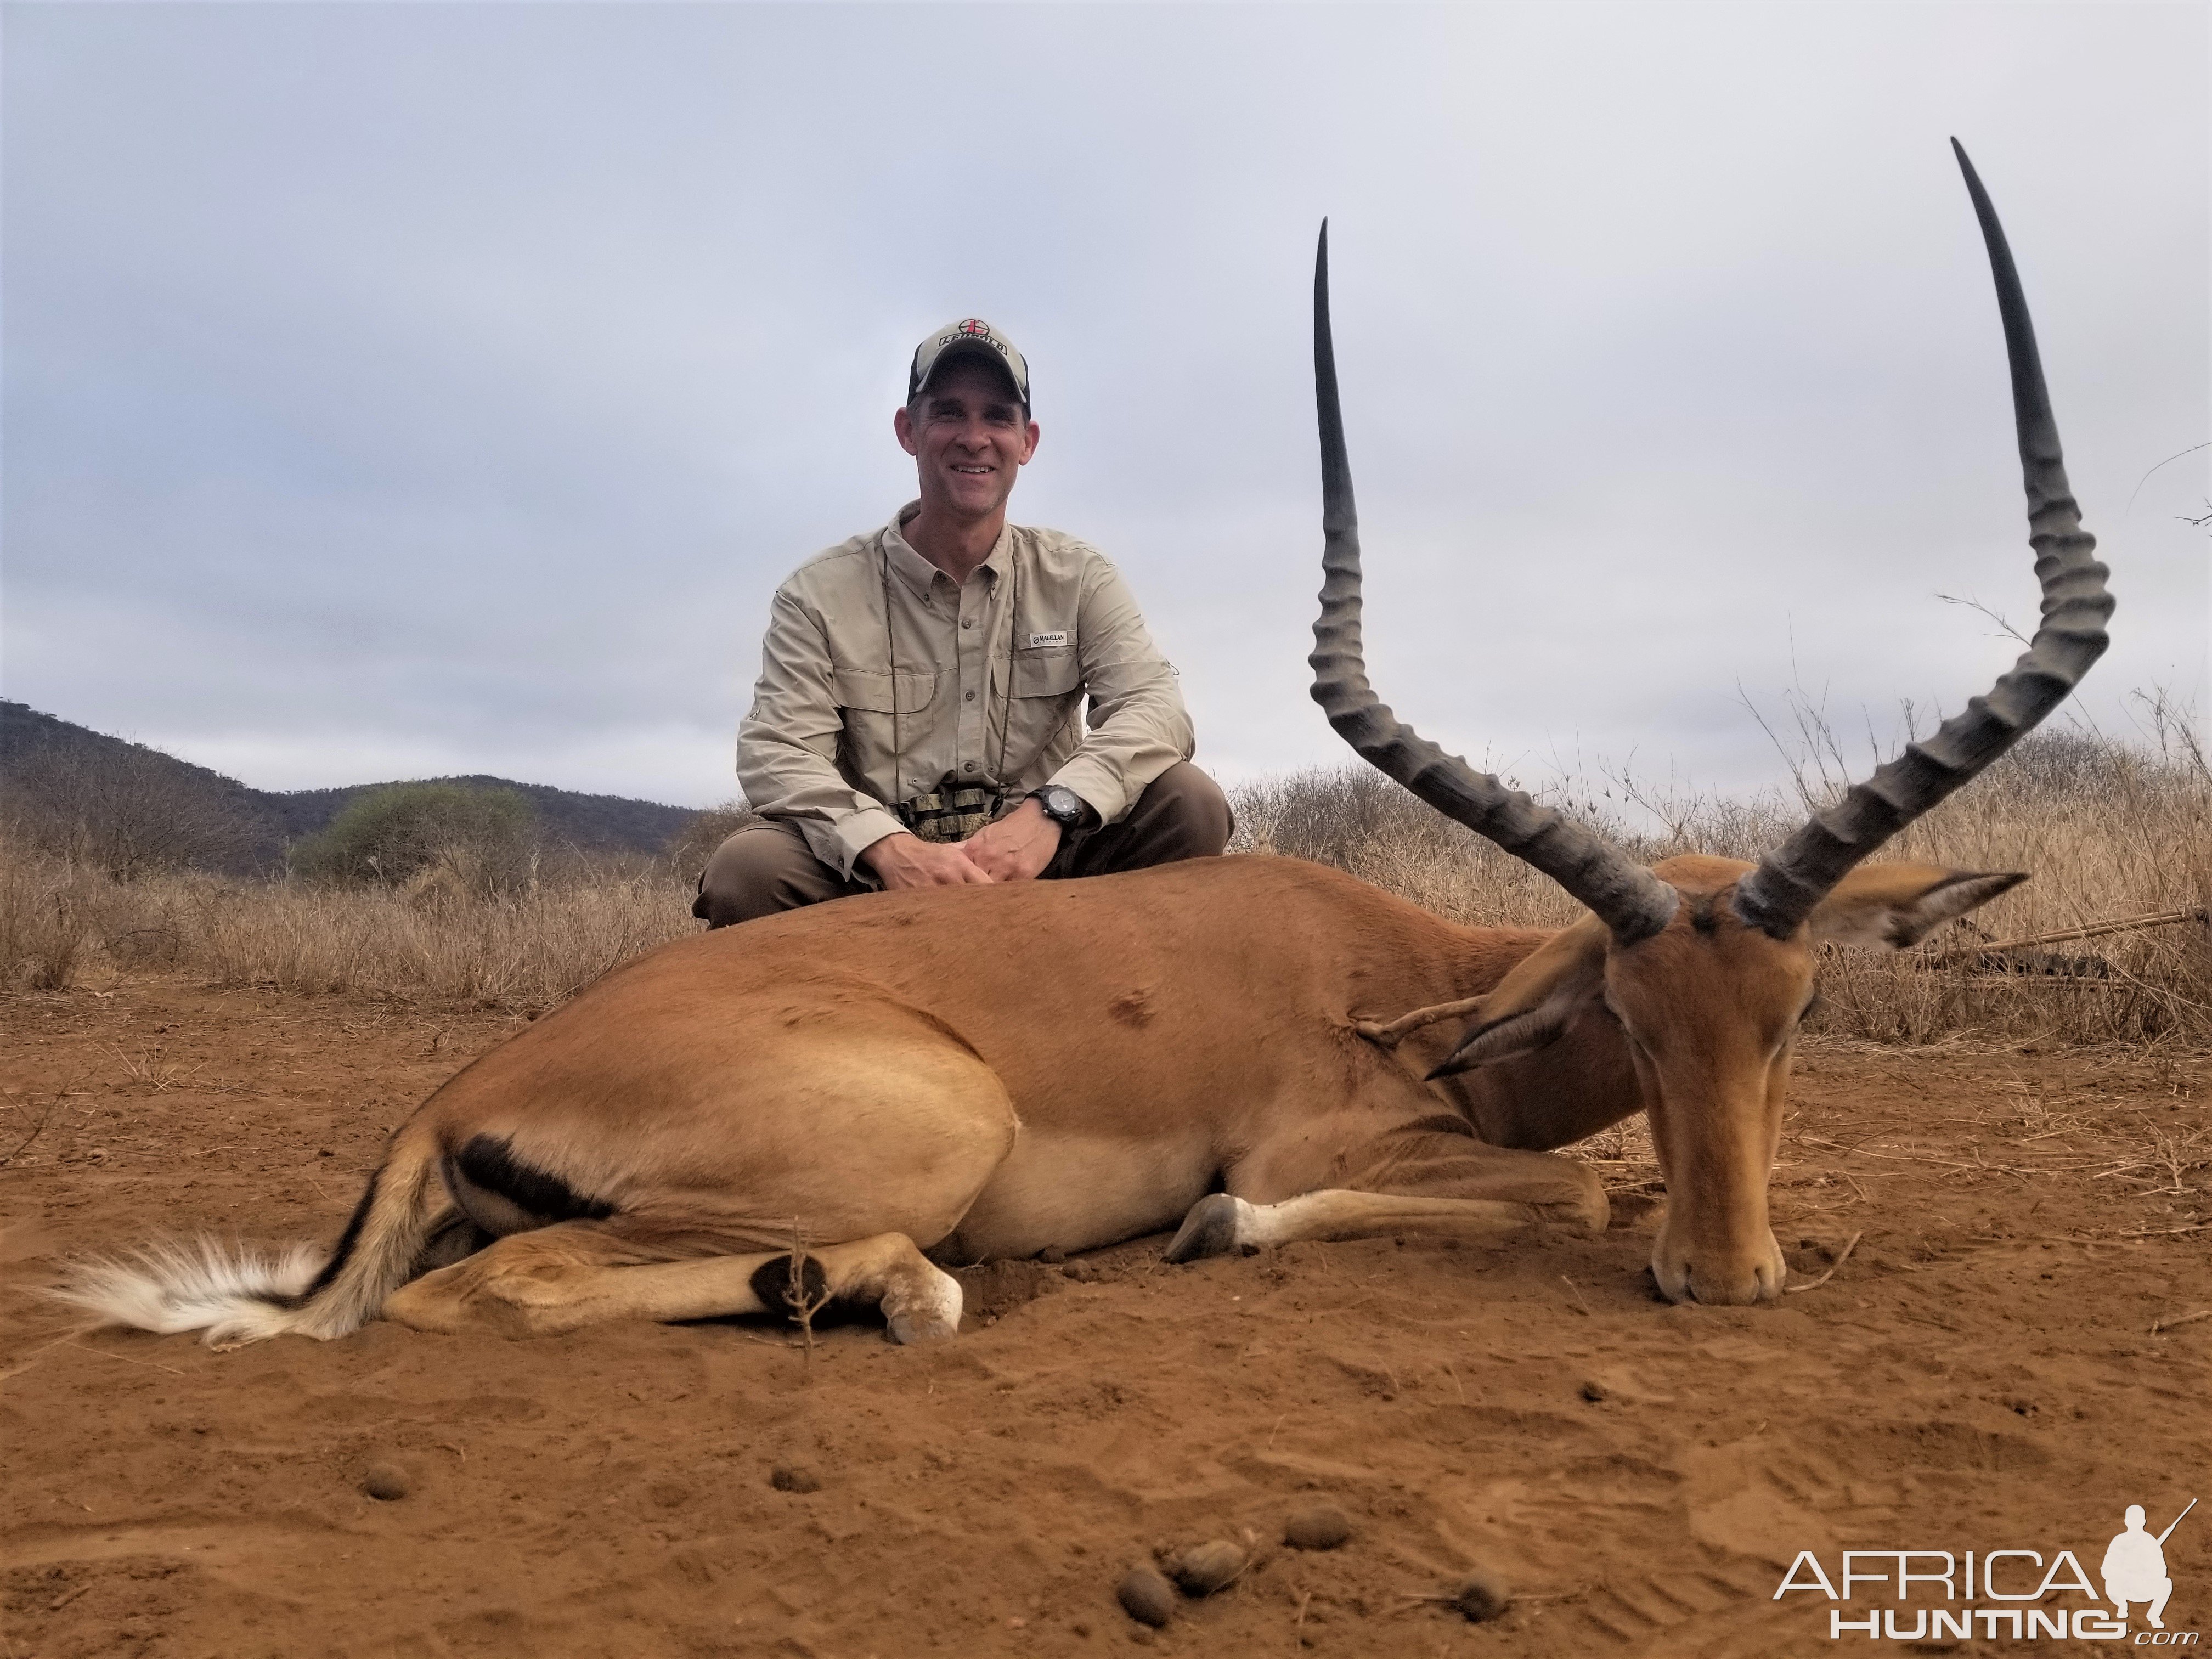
(968, 332)
(980, 332)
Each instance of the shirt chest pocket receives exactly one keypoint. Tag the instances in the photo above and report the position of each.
(1050, 671)
(881, 691)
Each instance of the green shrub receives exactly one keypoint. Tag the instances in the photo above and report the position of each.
(428, 837)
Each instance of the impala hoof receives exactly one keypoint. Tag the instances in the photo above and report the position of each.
(1591, 1214)
(1213, 1227)
(926, 1311)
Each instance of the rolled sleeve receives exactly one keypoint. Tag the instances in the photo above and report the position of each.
(1138, 726)
(788, 743)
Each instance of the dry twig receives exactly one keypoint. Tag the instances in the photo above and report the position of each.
(1842, 1256)
(1388, 1036)
(2060, 935)
(804, 1307)
(37, 1129)
(72, 1342)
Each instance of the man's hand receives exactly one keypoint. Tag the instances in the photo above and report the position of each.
(904, 861)
(1017, 847)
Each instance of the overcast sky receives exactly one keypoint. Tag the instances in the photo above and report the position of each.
(397, 390)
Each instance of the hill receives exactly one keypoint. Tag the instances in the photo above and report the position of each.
(171, 811)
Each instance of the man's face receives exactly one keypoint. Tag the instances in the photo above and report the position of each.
(970, 435)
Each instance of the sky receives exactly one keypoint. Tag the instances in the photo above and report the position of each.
(406, 390)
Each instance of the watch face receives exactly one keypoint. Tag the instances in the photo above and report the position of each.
(1060, 804)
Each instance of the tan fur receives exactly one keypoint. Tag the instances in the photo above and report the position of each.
(995, 1072)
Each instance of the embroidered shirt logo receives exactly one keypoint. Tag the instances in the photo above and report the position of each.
(1039, 640)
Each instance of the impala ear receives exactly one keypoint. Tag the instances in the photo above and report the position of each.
(1537, 1002)
(1889, 906)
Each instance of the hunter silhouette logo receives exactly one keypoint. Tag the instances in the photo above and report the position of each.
(2134, 1567)
(2021, 1593)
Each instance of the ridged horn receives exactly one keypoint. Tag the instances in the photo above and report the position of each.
(1631, 901)
(1791, 880)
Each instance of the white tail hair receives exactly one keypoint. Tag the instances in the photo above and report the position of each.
(236, 1293)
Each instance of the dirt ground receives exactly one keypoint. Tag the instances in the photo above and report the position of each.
(1983, 1371)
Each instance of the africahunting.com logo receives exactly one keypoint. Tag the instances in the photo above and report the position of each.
(2013, 1594)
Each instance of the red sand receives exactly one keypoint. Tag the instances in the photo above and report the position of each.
(1975, 1376)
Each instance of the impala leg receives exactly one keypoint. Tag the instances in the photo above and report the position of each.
(1434, 1183)
(583, 1273)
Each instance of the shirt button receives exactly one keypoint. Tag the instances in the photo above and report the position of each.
(971, 696)
(970, 766)
(967, 622)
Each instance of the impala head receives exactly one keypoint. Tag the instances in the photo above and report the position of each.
(1707, 964)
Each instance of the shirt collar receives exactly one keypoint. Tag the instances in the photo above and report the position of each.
(918, 573)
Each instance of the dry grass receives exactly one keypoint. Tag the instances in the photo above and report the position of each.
(2108, 830)
(524, 950)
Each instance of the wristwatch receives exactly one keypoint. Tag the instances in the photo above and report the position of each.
(1064, 807)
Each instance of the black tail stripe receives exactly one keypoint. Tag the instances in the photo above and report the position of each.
(347, 1240)
(488, 1162)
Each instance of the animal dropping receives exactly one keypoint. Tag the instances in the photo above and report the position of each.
(1481, 1597)
(1145, 1596)
(386, 1482)
(1204, 1568)
(794, 1477)
(1317, 1526)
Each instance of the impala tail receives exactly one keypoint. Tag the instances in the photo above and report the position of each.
(236, 1294)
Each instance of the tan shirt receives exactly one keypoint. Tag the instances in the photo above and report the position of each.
(879, 675)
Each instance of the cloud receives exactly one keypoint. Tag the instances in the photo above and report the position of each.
(412, 389)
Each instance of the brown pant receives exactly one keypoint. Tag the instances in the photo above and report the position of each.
(768, 866)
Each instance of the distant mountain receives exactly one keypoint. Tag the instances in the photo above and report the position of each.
(34, 745)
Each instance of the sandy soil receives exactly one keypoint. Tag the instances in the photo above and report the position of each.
(1982, 1372)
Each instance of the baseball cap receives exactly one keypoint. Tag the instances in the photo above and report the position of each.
(969, 337)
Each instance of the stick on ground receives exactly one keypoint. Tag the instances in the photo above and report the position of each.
(1842, 1256)
(804, 1307)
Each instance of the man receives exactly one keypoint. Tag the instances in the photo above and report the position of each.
(916, 719)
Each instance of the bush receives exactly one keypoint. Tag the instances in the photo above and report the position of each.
(429, 838)
(125, 811)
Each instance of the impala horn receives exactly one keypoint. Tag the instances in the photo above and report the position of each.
(1631, 901)
(1791, 880)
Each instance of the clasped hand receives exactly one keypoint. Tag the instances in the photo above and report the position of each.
(1015, 848)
